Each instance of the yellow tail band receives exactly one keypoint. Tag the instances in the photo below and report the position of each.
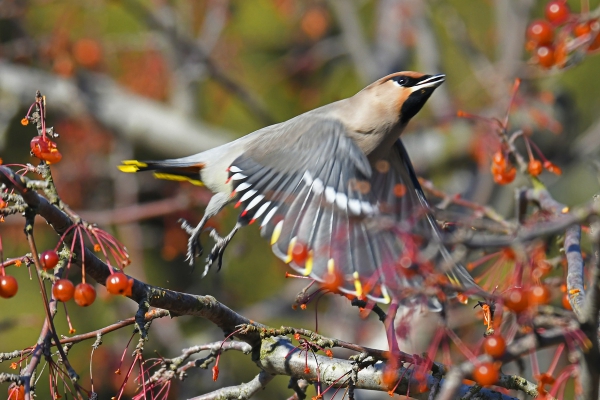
(131, 166)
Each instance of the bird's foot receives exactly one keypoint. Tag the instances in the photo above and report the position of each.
(216, 254)
(194, 247)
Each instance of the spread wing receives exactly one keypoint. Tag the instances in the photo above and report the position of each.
(330, 214)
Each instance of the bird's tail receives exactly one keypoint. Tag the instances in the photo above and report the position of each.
(181, 169)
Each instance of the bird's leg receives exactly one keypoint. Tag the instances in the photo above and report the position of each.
(216, 254)
(194, 248)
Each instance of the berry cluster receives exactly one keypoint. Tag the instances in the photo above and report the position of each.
(555, 39)
(63, 289)
(502, 170)
(41, 146)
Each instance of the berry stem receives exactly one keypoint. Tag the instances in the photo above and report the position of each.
(513, 95)
(528, 146)
(557, 355)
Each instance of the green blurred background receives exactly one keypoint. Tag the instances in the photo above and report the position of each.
(160, 79)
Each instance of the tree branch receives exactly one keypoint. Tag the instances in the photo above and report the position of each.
(243, 391)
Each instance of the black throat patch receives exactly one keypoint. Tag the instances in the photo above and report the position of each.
(413, 104)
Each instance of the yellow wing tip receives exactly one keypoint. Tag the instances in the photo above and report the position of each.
(179, 178)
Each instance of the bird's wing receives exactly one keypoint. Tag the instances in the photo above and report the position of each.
(402, 176)
(329, 214)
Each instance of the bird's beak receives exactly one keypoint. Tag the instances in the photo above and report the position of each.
(429, 82)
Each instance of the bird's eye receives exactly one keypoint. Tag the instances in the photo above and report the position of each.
(401, 80)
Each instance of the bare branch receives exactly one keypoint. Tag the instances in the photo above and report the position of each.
(243, 391)
(355, 40)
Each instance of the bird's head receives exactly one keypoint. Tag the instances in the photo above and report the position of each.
(404, 93)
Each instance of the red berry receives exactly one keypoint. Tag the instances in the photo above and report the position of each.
(506, 176)
(16, 392)
(85, 294)
(48, 259)
(566, 303)
(552, 168)
(540, 32)
(8, 286)
(516, 300)
(538, 294)
(45, 149)
(117, 283)
(299, 253)
(535, 167)
(545, 56)
(485, 374)
(494, 345)
(582, 28)
(87, 52)
(557, 12)
(63, 289)
(498, 163)
(595, 28)
(499, 158)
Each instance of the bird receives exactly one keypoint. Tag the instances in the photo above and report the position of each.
(335, 193)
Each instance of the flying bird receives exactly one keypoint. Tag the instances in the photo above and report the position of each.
(334, 191)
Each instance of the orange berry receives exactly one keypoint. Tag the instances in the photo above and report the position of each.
(499, 158)
(506, 176)
(45, 149)
(545, 56)
(595, 28)
(63, 290)
(499, 179)
(87, 52)
(16, 392)
(497, 169)
(552, 168)
(538, 294)
(582, 28)
(24, 122)
(486, 374)
(85, 294)
(557, 12)
(494, 345)
(117, 283)
(8, 286)
(48, 259)
(535, 167)
(516, 300)
(399, 190)
(540, 32)
(314, 22)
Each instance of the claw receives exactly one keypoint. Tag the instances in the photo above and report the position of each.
(194, 247)
(186, 226)
(216, 254)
